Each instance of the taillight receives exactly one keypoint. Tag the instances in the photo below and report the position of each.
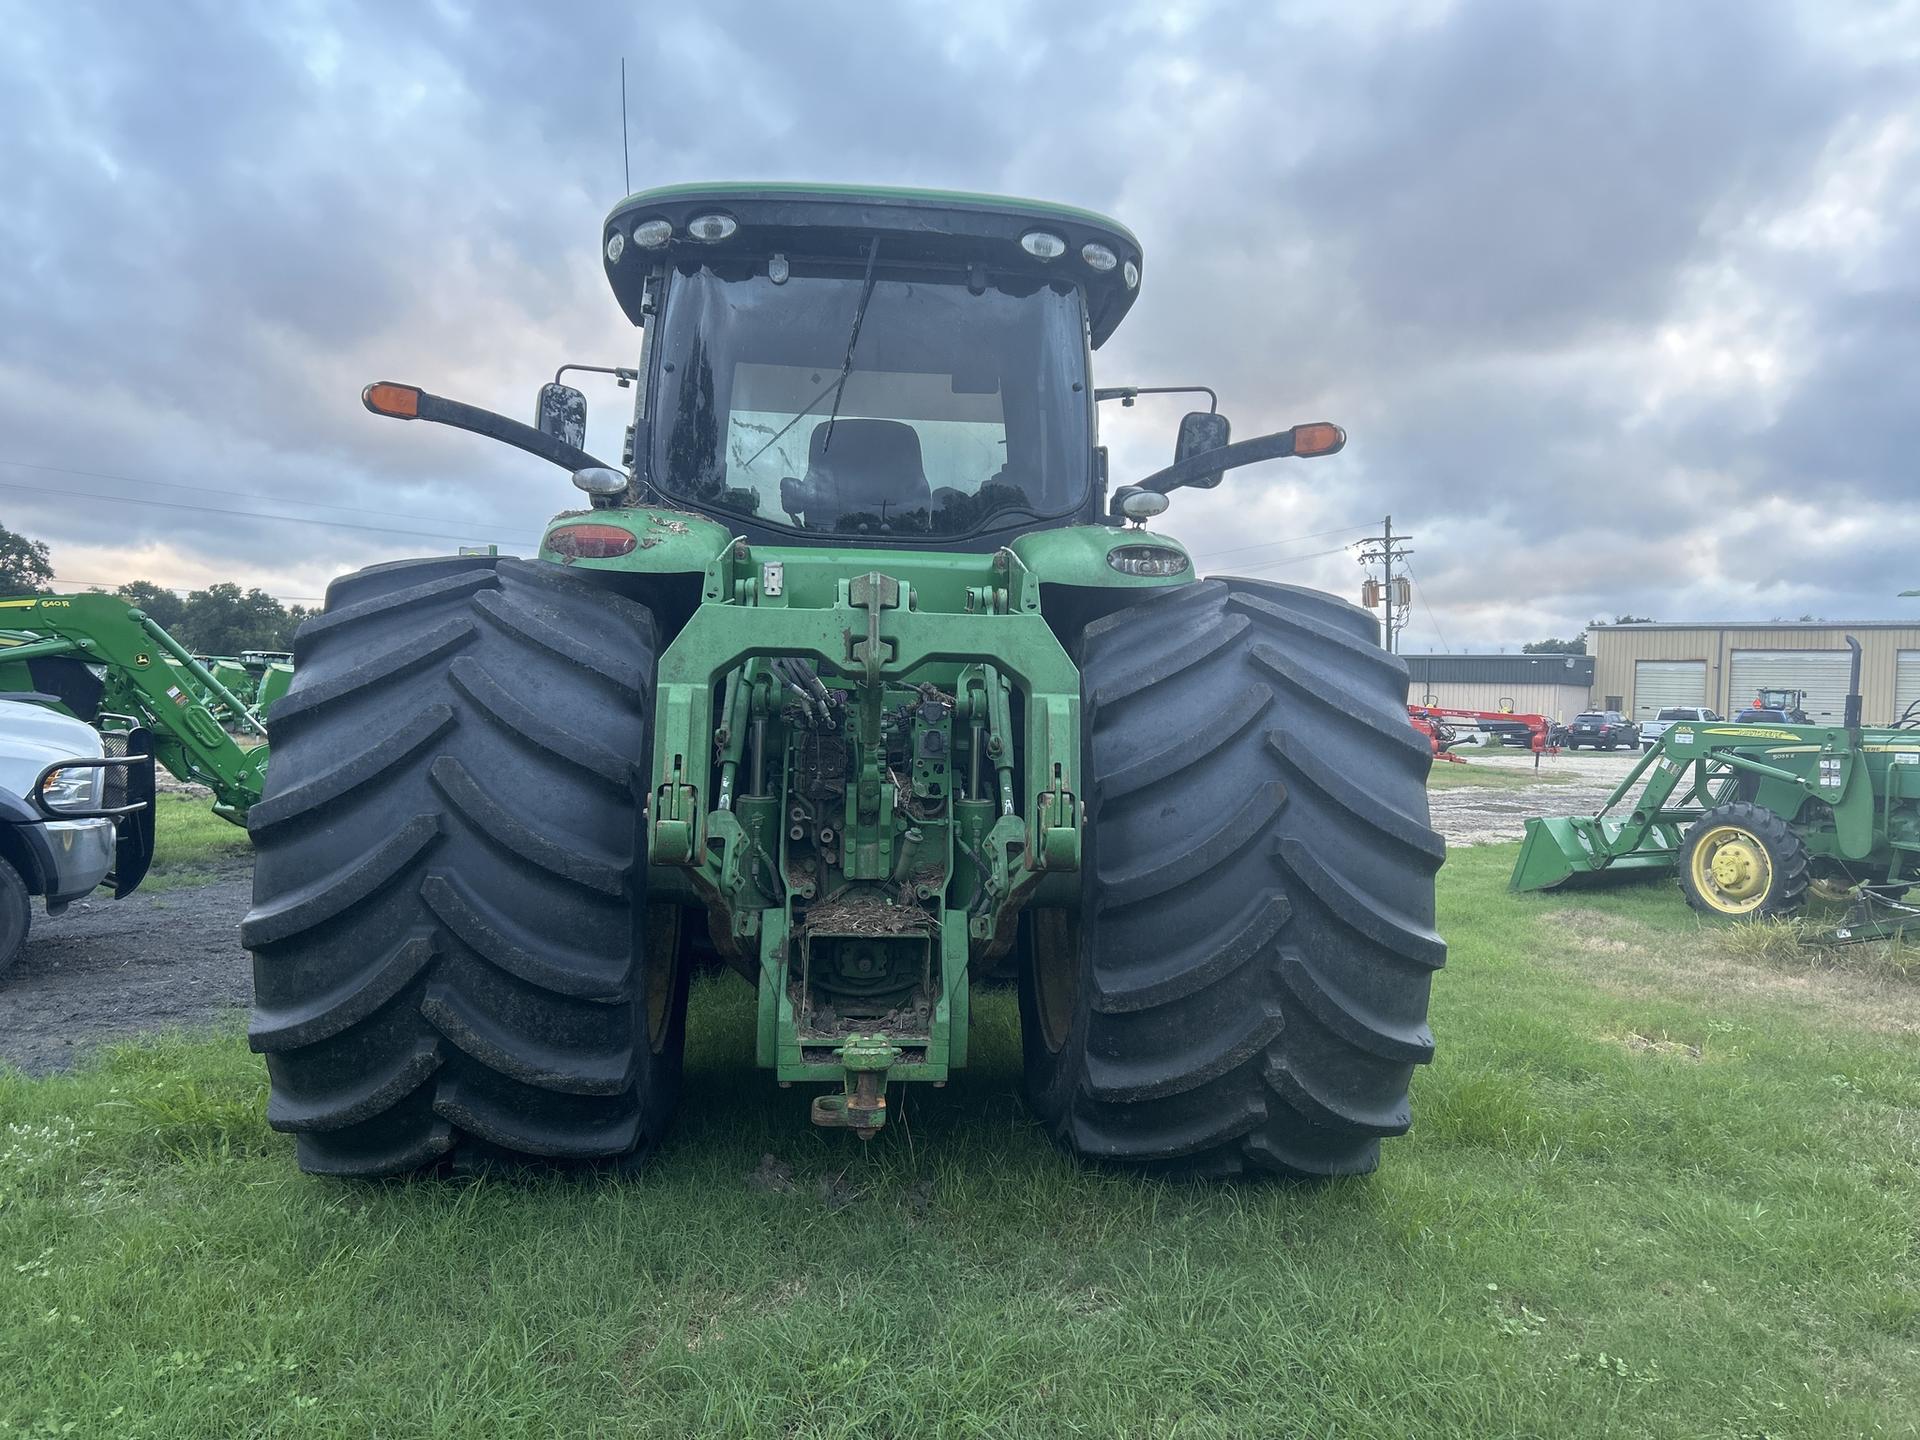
(590, 542)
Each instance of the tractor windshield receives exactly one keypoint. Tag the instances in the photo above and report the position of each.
(958, 411)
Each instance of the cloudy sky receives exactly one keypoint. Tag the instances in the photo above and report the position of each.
(1619, 302)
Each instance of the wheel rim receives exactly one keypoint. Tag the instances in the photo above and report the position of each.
(662, 960)
(1731, 870)
(1056, 973)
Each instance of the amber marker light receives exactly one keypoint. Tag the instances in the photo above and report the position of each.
(1318, 438)
(383, 397)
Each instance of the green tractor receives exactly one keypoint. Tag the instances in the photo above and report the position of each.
(1754, 818)
(854, 677)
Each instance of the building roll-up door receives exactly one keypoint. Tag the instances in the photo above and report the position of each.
(1658, 684)
(1823, 674)
(1906, 683)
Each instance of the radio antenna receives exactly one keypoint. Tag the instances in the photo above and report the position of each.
(626, 166)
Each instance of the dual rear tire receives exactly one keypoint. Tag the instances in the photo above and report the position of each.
(454, 959)
(1245, 986)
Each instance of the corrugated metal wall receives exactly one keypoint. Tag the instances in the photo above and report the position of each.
(1616, 648)
(1556, 702)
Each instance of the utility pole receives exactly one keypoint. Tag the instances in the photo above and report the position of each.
(1382, 550)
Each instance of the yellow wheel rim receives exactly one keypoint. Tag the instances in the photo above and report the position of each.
(1731, 871)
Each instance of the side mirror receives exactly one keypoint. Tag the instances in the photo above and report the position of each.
(1201, 431)
(1204, 467)
(561, 411)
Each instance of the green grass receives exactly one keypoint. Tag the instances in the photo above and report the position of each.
(1446, 776)
(1654, 1189)
(191, 844)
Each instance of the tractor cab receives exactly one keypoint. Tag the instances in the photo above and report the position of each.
(864, 364)
(1792, 704)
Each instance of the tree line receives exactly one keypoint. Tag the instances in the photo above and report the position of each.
(219, 620)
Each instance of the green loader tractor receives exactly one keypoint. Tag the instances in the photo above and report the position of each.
(854, 677)
(114, 666)
(1754, 818)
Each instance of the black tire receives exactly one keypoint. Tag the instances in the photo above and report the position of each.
(1245, 987)
(1788, 868)
(1573, 744)
(16, 915)
(449, 910)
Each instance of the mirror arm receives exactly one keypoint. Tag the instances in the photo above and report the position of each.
(460, 416)
(622, 376)
(1276, 446)
(1127, 394)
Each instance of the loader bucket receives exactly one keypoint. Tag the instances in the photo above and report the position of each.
(1559, 847)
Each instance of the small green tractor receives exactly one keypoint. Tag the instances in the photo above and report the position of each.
(1756, 817)
(854, 676)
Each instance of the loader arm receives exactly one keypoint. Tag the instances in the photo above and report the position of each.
(148, 679)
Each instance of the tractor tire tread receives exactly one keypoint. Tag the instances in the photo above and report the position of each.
(1260, 896)
(1785, 848)
(448, 922)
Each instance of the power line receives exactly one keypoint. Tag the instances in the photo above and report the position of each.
(1290, 540)
(1293, 559)
(217, 490)
(470, 536)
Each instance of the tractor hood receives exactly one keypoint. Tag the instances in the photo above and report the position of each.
(689, 223)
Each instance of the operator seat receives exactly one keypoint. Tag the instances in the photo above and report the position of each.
(873, 467)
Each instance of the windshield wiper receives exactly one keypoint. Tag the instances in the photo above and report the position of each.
(839, 381)
(853, 339)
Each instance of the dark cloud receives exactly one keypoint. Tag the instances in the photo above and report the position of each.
(1613, 299)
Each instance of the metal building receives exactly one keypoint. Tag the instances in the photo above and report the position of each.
(1556, 686)
(1640, 669)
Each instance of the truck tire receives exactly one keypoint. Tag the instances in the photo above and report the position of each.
(16, 915)
(1743, 861)
(449, 922)
(1244, 988)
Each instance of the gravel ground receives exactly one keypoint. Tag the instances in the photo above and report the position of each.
(1468, 815)
(108, 969)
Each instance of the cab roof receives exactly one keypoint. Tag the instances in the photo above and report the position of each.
(836, 221)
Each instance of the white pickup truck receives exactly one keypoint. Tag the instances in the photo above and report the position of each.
(72, 815)
(1652, 730)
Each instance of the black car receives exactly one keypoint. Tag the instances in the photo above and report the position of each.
(1602, 729)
